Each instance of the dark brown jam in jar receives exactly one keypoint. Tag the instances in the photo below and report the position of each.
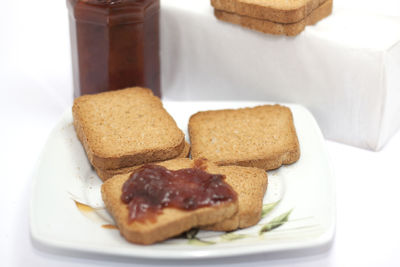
(153, 187)
(115, 44)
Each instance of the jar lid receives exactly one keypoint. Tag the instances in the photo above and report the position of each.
(113, 12)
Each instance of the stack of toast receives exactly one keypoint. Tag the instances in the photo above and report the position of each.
(283, 17)
(122, 130)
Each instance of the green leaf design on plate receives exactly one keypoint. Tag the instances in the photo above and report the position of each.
(193, 240)
(233, 236)
(276, 222)
(268, 207)
(192, 233)
(198, 242)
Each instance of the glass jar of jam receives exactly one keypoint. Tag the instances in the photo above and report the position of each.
(115, 44)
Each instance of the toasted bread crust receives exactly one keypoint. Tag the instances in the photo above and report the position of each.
(171, 222)
(250, 184)
(272, 10)
(263, 137)
(125, 128)
(274, 161)
(266, 26)
(107, 174)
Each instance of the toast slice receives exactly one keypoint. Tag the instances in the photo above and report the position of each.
(126, 128)
(170, 222)
(250, 184)
(107, 174)
(279, 11)
(263, 137)
(271, 27)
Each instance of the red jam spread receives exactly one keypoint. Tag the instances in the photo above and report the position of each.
(115, 44)
(153, 187)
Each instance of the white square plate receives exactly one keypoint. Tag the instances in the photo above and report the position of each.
(64, 177)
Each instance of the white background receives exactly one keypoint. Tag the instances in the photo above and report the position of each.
(35, 86)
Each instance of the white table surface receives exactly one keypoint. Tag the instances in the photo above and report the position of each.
(35, 89)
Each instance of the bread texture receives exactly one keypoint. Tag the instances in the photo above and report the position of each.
(271, 27)
(107, 174)
(279, 11)
(172, 221)
(125, 128)
(263, 137)
(250, 184)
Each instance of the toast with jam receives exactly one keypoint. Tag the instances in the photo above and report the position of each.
(125, 128)
(163, 200)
